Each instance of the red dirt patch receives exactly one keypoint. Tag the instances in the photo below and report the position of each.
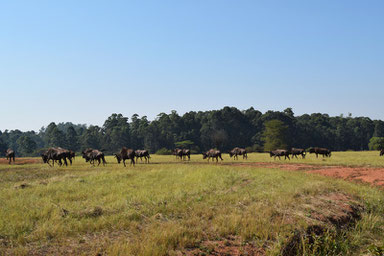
(22, 161)
(371, 175)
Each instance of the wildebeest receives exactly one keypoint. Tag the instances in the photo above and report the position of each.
(187, 153)
(56, 154)
(236, 152)
(90, 155)
(298, 151)
(212, 153)
(280, 152)
(142, 153)
(320, 151)
(381, 152)
(125, 154)
(182, 153)
(178, 153)
(10, 155)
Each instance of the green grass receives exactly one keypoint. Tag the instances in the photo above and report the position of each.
(167, 206)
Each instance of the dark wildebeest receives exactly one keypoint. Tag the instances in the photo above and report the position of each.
(320, 151)
(236, 152)
(126, 153)
(10, 155)
(186, 153)
(178, 153)
(69, 154)
(182, 153)
(212, 153)
(381, 152)
(142, 153)
(278, 153)
(55, 154)
(90, 155)
(298, 151)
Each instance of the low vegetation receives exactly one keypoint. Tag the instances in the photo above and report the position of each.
(174, 207)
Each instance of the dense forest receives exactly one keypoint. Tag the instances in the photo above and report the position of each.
(223, 129)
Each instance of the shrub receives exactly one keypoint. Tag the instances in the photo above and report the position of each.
(164, 151)
(376, 143)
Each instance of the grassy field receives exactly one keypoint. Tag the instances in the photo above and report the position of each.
(173, 208)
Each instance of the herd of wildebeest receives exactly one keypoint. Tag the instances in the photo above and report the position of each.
(60, 156)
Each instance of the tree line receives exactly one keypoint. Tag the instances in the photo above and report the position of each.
(202, 130)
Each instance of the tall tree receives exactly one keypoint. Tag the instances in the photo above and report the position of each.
(72, 139)
(26, 145)
(275, 135)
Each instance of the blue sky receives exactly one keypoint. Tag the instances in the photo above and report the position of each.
(81, 61)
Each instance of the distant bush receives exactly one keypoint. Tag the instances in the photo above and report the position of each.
(376, 143)
(255, 148)
(164, 151)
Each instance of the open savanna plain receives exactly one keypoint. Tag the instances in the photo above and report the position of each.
(259, 206)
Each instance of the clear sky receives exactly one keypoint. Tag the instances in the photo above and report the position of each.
(81, 61)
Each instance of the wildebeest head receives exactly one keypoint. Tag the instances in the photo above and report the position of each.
(118, 157)
(44, 156)
(205, 155)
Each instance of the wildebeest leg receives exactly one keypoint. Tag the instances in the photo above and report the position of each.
(132, 161)
(124, 162)
(317, 155)
(65, 161)
(70, 160)
(104, 162)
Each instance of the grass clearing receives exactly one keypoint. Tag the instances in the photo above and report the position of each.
(173, 208)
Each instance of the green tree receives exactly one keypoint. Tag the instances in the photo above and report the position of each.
(275, 135)
(26, 145)
(376, 143)
(72, 139)
(3, 146)
(116, 132)
(184, 144)
(91, 137)
(54, 137)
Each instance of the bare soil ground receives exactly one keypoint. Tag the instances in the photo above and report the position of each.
(22, 161)
(371, 175)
